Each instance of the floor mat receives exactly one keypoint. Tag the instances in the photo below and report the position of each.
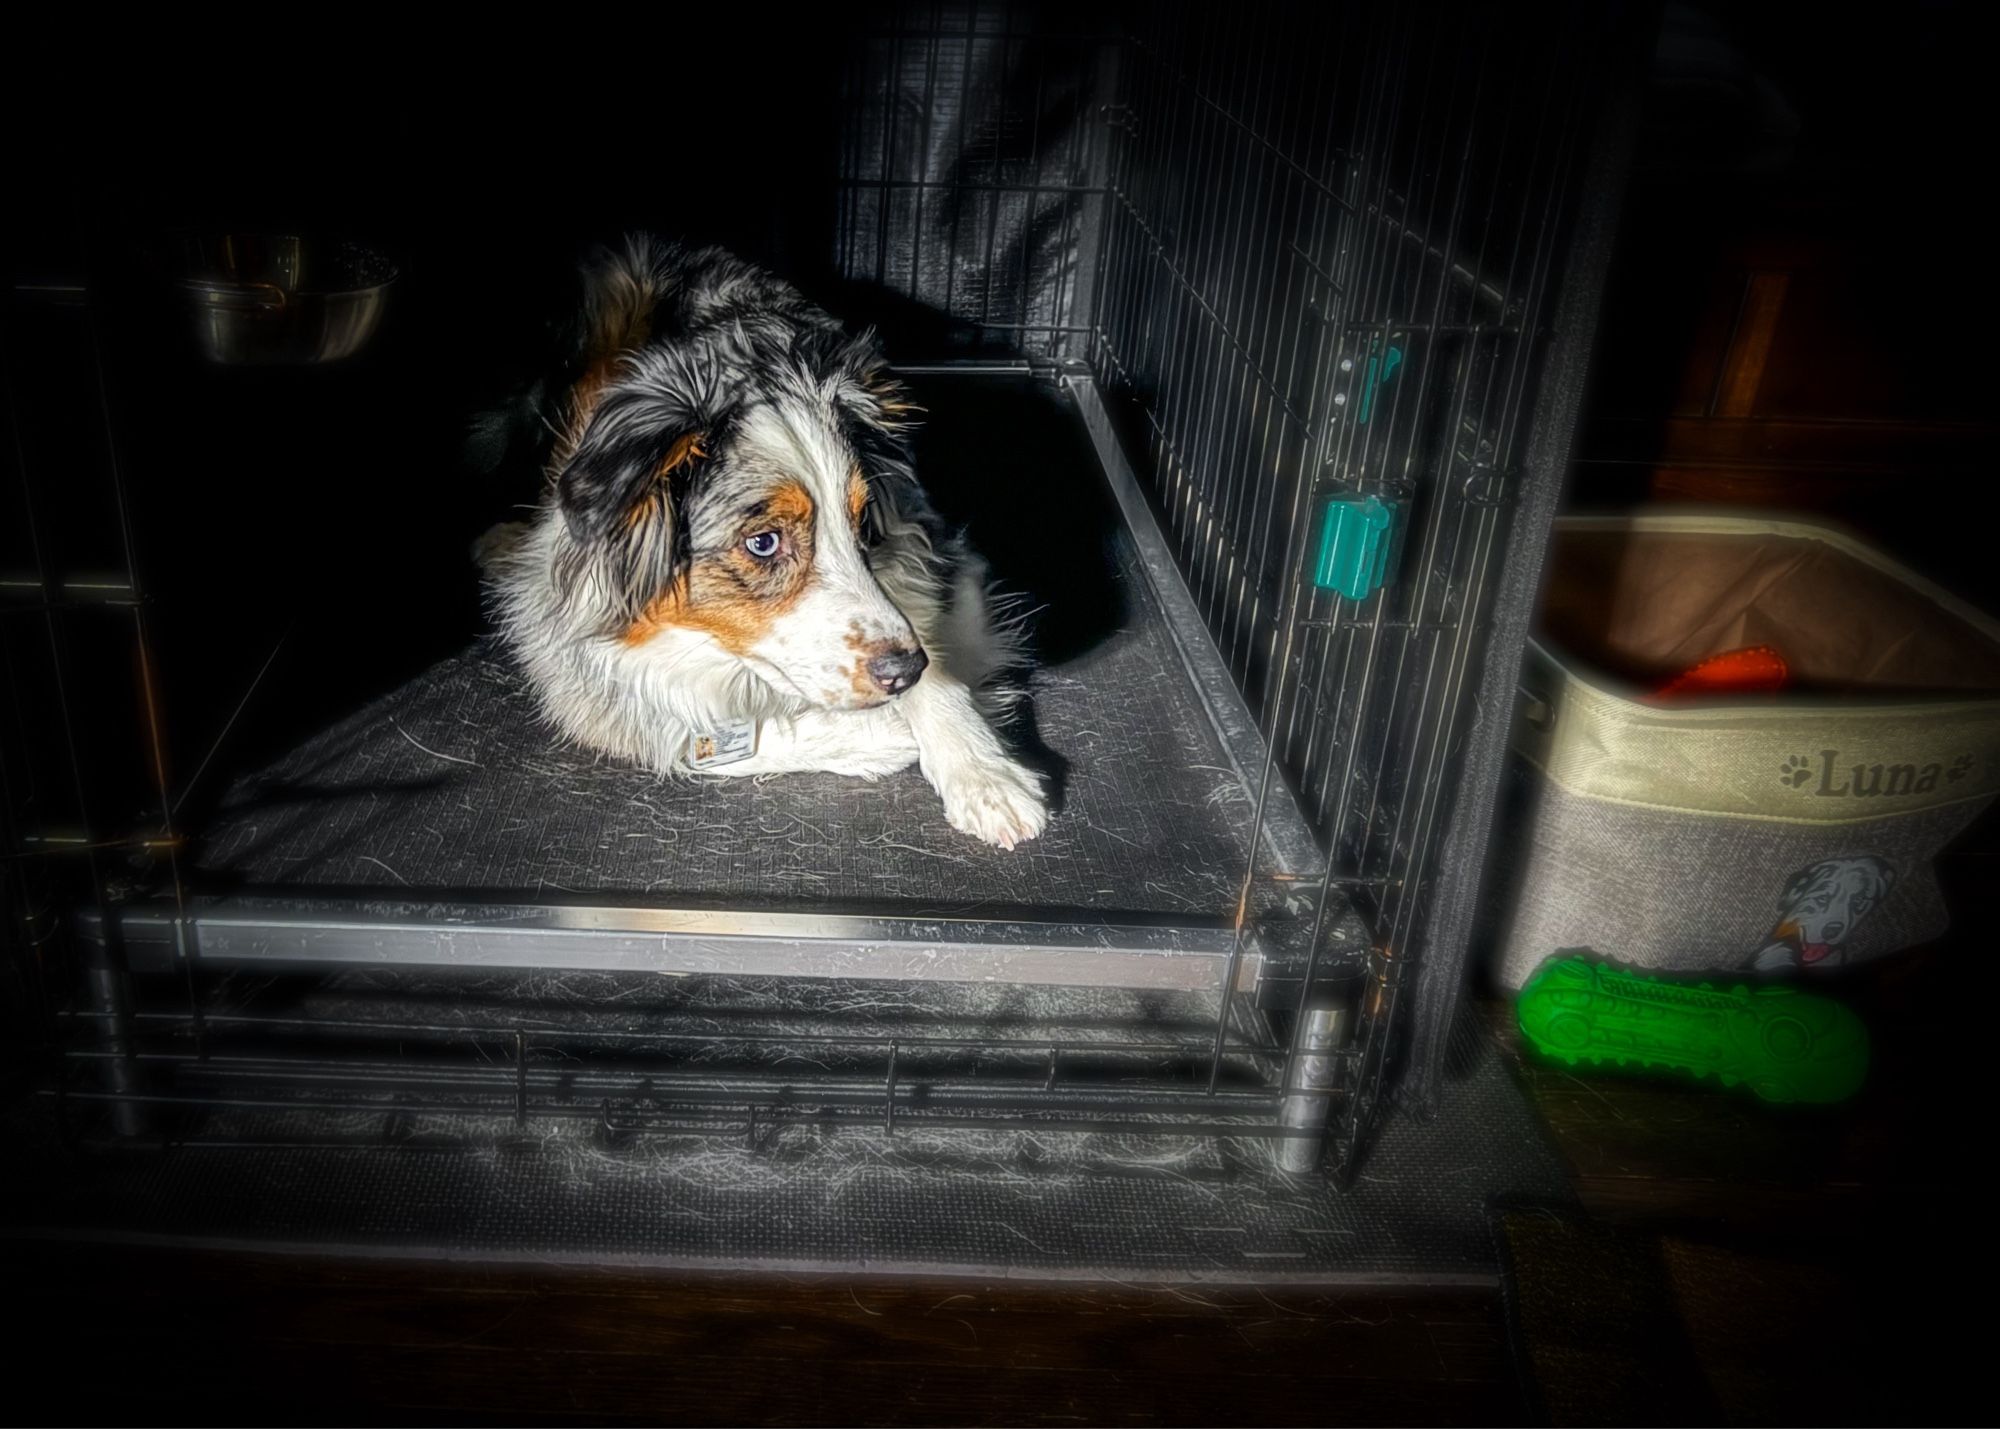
(1033, 1204)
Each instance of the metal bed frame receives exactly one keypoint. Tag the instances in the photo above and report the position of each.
(1245, 219)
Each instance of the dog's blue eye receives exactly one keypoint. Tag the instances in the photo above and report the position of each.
(763, 545)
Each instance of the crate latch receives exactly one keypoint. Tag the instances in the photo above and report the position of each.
(1359, 540)
(1381, 366)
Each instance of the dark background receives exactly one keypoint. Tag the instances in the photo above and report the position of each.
(1835, 151)
(1841, 154)
(1843, 151)
(332, 506)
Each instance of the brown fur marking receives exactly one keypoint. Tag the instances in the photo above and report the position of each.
(654, 501)
(857, 496)
(689, 448)
(788, 506)
(891, 396)
(730, 595)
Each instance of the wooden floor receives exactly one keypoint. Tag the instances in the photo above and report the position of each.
(1883, 1192)
(237, 1340)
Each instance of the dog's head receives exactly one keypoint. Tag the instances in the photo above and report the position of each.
(729, 491)
(1822, 904)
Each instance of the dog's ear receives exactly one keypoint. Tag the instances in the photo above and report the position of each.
(630, 466)
(876, 410)
(868, 390)
(622, 484)
(621, 494)
(608, 435)
(642, 432)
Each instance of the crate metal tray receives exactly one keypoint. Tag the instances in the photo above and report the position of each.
(442, 825)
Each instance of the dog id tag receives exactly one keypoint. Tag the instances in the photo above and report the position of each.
(724, 744)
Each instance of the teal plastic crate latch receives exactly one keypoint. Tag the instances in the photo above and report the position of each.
(1381, 367)
(1359, 540)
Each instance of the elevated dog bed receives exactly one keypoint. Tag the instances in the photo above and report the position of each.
(445, 815)
(453, 781)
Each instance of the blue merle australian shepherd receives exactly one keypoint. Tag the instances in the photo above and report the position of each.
(733, 569)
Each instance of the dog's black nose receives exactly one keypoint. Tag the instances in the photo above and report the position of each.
(898, 670)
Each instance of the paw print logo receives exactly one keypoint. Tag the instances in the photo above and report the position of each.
(1960, 767)
(1795, 771)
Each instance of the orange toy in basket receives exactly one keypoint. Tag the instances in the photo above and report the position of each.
(1754, 670)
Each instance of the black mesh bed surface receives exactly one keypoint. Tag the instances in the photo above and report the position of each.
(453, 783)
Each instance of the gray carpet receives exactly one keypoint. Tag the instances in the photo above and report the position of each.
(451, 782)
(1004, 1203)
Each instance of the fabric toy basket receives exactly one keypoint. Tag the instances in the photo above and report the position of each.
(1777, 832)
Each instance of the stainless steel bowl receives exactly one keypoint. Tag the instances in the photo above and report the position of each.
(271, 299)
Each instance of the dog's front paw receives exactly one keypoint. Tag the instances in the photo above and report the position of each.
(999, 802)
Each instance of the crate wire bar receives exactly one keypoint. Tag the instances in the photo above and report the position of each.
(1348, 251)
(1270, 210)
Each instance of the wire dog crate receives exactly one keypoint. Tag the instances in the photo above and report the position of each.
(1195, 275)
